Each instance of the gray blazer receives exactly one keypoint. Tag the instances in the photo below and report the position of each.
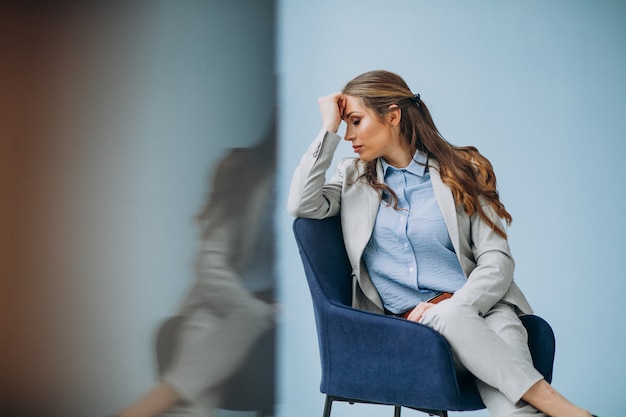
(484, 255)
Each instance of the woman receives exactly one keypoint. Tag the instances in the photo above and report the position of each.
(231, 304)
(422, 226)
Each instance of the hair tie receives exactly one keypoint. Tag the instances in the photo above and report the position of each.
(415, 99)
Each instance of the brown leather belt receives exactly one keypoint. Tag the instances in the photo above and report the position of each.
(436, 299)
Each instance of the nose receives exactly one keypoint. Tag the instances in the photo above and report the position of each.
(349, 136)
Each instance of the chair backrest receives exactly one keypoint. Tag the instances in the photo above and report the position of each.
(323, 253)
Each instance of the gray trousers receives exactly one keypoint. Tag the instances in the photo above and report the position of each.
(208, 349)
(494, 348)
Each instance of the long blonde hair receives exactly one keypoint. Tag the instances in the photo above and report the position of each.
(469, 174)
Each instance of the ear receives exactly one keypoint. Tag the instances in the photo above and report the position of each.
(394, 115)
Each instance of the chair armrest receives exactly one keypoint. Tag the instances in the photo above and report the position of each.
(542, 344)
(362, 350)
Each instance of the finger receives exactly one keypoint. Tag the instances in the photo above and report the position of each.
(419, 311)
(330, 110)
(416, 313)
(342, 106)
(332, 97)
(425, 308)
(414, 316)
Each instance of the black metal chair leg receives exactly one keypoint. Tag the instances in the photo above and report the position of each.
(327, 406)
(396, 411)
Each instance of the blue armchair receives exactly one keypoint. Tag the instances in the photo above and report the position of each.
(371, 358)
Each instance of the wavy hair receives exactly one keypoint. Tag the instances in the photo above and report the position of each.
(469, 174)
(236, 176)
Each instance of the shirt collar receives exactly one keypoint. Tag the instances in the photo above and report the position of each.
(417, 166)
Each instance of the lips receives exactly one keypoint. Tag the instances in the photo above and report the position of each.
(357, 148)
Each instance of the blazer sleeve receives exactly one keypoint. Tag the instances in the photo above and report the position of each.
(490, 279)
(310, 195)
(218, 286)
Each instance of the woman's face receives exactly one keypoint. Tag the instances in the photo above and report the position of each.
(371, 136)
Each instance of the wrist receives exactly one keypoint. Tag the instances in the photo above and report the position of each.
(331, 128)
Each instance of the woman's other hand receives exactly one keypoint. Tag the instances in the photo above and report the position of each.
(419, 311)
(331, 108)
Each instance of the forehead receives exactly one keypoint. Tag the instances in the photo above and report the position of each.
(355, 105)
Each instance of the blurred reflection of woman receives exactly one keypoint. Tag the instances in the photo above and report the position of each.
(230, 306)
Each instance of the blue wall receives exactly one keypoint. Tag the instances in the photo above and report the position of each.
(539, 88)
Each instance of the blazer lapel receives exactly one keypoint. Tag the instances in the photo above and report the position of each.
(361, 204)
(359, 209)
(446, 204)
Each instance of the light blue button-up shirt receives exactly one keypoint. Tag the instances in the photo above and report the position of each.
(410, 256)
